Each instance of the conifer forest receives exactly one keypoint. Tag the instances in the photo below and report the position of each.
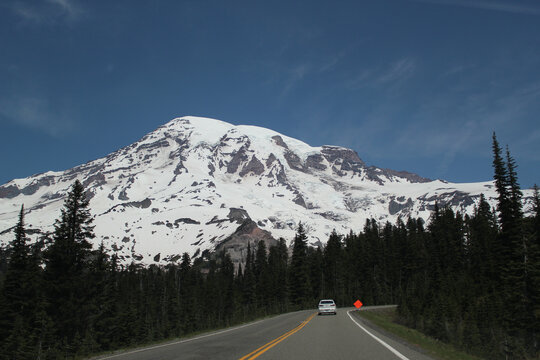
(469, 280)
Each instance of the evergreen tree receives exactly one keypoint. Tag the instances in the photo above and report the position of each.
(299, 287)
(102, 324)
(501, 185)
(262, 276)
(18, 298)
(333, 269)
(315, 261)
(13, 292)
(534, 270)
(226, 288)
(483, 248)
(186, 292)
(513, 186)
(249, 293)
(512, 263)
(277, 267)
(352, 264)
(67, 266)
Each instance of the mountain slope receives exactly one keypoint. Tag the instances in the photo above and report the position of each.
(190, 184)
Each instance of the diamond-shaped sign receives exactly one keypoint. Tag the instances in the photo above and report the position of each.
(358, 304)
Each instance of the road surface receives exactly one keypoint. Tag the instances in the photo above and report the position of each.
(299, 335)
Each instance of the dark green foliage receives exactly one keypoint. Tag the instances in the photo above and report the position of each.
(262, 275)
(67, 261)
(299, 286)
(480, 291)
(278, 256)
(20, 299)
(533, 265)
(14, 292)
(315, 264)
(501, 185)
(472, 281)
(249, 285)
(333, 268)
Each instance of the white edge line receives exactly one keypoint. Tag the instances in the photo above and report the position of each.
(178, 342)
(397, 353)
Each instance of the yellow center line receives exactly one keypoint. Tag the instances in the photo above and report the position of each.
(256, 353)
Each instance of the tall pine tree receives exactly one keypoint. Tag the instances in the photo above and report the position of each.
(277, 267)
(299, 287)
(19, 298)
(262, 276)
(67, 262)
(333, 268)
(513, 257)
(533, 271)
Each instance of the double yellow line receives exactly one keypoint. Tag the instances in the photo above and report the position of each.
(258, 352)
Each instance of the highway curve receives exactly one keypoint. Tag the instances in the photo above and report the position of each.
(297, 335)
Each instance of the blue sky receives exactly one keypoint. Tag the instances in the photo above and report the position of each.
(416, 85)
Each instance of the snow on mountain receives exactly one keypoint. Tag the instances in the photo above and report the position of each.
(191, 184)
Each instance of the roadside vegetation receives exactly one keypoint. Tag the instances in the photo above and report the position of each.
(386, 319)
(470, 281)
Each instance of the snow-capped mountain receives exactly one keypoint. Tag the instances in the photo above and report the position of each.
(192, 183)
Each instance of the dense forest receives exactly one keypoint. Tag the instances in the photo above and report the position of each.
(471, 280)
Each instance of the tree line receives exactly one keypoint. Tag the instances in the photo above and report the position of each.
(476, 279)
(60, 299)
(472, 281)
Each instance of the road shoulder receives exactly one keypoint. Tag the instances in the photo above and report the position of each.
(420, 342)
(372, 326)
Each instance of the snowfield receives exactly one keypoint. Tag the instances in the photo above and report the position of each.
(177, 188)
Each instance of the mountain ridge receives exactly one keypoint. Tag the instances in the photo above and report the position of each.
(174, 190)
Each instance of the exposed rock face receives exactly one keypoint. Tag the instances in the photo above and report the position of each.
(254, 166)
(185, 221)
(316, 161)
(247, 233)
(380, 175)
(238, 215)
(395, 207)
(9, 191)
(238, 158)
(279, 141)
(299, 200)
(294, 161)
(12, 191)
(96, 180)
(341, 155)
(270, 160)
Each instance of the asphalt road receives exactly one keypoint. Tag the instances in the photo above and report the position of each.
(298, 335)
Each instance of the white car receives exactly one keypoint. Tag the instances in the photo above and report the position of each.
(327, 306)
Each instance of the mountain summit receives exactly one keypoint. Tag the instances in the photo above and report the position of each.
(194, 183)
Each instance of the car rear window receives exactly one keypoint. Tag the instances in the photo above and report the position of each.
(326, 302)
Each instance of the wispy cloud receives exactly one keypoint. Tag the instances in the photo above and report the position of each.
(38, 114)
(294, 76)
(48, 11)
(389, 76)
(505, 6)
(333, 61)
(71, 8)
(457, 69)
(443, 126)
(27, 13)
(397, 71)
(449, 126)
